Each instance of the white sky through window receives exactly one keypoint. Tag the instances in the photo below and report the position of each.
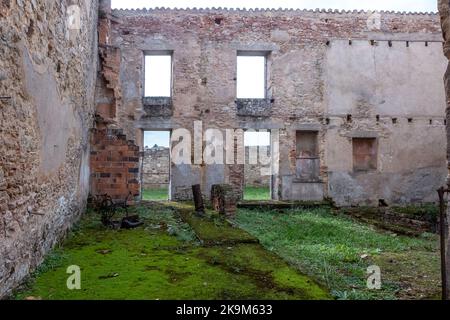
(160, 138)
(251, 77)
(254, 139)
(158, 74)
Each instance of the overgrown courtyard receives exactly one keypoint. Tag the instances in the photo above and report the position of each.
(304, 254)
(336, 251)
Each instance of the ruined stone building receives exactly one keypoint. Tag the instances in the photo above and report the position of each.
(356, 99)
(156, 169)
(354, 102)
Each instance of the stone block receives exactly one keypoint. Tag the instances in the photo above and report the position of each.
(254, 107)
(224, 199)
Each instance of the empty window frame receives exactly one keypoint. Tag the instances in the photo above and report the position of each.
(308, 159)
(158, 75)
(257, 147)
(155, 166)
(251, 76)
(257, 168)
(365, 154)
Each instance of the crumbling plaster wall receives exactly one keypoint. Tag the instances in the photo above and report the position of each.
(47, 82)
(395, 83)
(306, 48)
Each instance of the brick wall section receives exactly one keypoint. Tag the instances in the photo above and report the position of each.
(114, 164)
(108, 92)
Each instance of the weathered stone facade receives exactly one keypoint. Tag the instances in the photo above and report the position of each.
(156, 168)
(47, 83)
(362, 82)
(444, 11)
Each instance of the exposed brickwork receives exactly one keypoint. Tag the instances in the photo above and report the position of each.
(110, 59)
(114, 164)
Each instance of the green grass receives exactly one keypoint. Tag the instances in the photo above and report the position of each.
(331, 248)
(164, 260)
(429, 212)
(257, 193)
(160, 194)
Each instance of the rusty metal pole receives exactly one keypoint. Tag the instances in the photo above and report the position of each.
(443, 234)
(198, 200)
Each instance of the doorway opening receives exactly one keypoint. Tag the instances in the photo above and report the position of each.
(155, 173)
(258, 165)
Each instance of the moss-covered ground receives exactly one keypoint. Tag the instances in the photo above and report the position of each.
(155, 194)
(337, 250)
(164, 259)
(250, 193)
(257, 193)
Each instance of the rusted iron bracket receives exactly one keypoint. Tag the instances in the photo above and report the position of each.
(443, 234)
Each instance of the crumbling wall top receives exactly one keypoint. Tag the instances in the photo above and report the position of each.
(214, 10)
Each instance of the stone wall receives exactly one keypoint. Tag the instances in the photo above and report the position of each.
(156, 167)
(344, 75)
(255, 175)
(444, 11)
(47, 82)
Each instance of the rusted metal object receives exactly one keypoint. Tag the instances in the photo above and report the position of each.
(198, 200)
(108, 208)
(443, 233)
